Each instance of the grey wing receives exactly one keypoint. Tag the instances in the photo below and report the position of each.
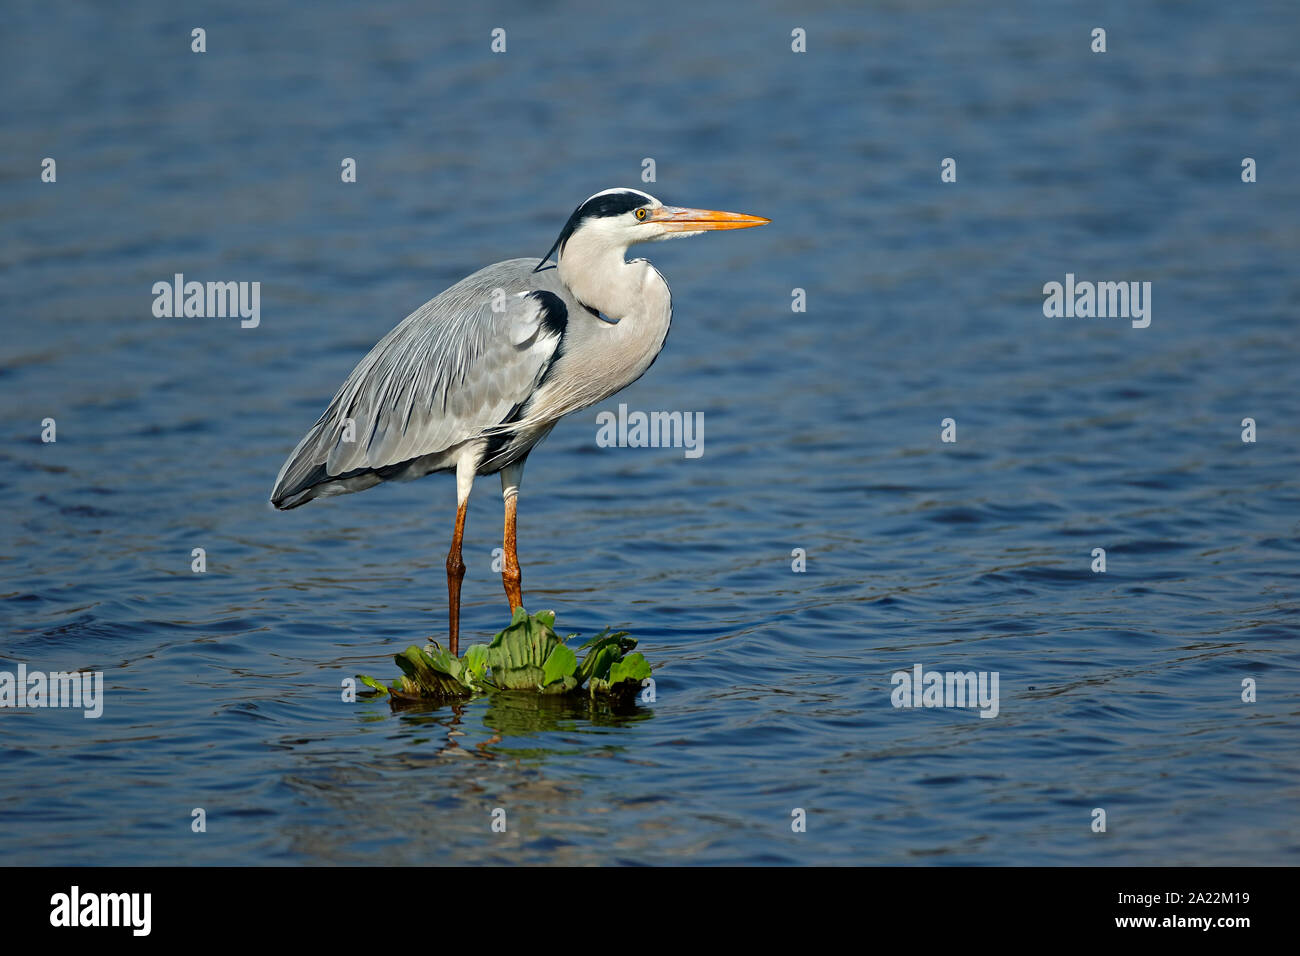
(454, 369)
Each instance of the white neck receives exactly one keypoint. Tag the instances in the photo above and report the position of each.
(600, 358)
(599, 276)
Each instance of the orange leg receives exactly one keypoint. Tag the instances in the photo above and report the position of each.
(510, 574)
(455, 574)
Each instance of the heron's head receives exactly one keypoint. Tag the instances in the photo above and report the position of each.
(614, 219)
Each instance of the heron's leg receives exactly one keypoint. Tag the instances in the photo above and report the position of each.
(455, 574)
(456, 566)
(511, 576)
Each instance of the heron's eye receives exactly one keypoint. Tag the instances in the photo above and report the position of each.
(641, 214)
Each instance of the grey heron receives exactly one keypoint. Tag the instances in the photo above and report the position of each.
(472, 380)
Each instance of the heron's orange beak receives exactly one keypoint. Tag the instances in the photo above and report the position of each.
(677, 219)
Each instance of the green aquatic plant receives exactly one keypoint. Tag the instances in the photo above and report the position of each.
(527, 656)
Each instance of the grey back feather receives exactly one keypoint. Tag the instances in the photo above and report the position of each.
(450, 372)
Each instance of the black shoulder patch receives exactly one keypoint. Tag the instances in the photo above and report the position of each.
(555, 314)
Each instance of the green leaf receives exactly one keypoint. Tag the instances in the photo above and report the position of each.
(561, 663)
(604, 650)
(372, 683)
(634, 667)
(598, 662)
(526, 655)
(436, 675)
(518, 654)
(476, 662)
(606, 636)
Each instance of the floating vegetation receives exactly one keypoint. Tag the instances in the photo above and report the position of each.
(527, 656)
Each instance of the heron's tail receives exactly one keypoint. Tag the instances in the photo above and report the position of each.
(306, 474)
(299, 477)
(317, 470)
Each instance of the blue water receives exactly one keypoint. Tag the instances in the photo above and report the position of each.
(1119, 691)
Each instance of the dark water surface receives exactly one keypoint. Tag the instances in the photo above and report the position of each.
(1119, 691)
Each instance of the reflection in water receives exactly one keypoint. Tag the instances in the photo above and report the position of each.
(518, 714)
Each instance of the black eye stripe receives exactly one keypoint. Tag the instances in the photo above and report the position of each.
(610, 204)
